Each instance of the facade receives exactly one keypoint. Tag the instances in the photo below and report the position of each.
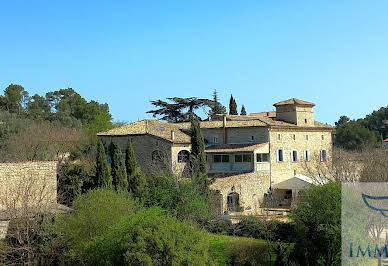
(249, 156)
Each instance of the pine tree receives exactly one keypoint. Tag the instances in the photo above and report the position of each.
(243, 112)
(119, 174)
(232, 106)
(217, 107)
(198, 157)
(103, 177)
(130, 160)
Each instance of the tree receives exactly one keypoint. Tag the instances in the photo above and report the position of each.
(353, 136)
(198, 157)
(243, 112)
(119, 174)
(150, 237)
(103, 177)
(318, 225)
(180, 108)
(342, 121)
(232, 106)
(130, 160)
(14, 98)
(38, 108)
(217, 107)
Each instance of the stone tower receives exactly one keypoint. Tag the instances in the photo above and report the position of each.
(295, 111)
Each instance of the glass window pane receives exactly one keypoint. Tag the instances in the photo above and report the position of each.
(225, 158)
(247, 158)
(238, 158)
(217, 158)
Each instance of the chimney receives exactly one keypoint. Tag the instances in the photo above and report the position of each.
(172, 135)
(267, 113)
(224, 121)
(224, 126)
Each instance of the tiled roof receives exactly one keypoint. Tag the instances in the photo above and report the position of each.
(386, 140)
(294, 101)
(248, 147)
(153, 127)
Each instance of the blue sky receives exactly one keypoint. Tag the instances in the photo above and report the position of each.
(333, 53)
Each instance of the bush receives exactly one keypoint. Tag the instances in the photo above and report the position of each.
(179, 198)
(150, 237)
(247, 252)
(249, 227)
(218, 226)
(94, 213)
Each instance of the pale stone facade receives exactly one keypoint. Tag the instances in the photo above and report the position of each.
(247, 155)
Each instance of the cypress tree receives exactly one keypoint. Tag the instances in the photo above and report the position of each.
(130, 161)
(119, 174)
(232, 106)
(217, 107)
(198, 157)
(103, 177)
(243, 112)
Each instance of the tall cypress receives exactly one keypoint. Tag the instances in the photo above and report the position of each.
(103, 177)
(198, 156)
(133, 171)
(232, 106)
(119, 174)
(243, 112)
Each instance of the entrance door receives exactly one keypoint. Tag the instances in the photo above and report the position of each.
(233, 202)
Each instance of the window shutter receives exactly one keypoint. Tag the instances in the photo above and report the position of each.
(297, 156)
(291, 156)
(327, 155)
(277, 155)
(321, 152)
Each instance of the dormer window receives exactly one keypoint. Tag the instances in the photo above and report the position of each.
(252, 138)
(215, 140)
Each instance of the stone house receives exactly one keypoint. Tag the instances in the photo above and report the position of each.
(249, 156)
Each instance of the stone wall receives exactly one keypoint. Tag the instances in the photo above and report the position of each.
(27, 184)
(250, 187)
(281, 171)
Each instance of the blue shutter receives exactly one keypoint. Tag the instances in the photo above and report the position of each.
(321, 152)
(277, 155)
(327, 155)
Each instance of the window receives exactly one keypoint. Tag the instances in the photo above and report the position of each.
(307, 137)
(305, 121)
(322, 137)
(123, 156)
(294, 156)
(242, 158)
(306, 155)
(218, 158)
(262, 157)
(109, 160)
(183, 156)
(324, 155)
(278, 136)
(279, 155)
(293, 136)
(252, 138)
(215, 140)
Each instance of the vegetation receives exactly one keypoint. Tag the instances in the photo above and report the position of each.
(103, 177)
(118, 171)
(217, 107)
(243, 112)
(232, 106)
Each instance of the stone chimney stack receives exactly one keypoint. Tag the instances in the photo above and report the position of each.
(172, 135)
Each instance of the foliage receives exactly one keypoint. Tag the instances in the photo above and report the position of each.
(198, 157)
(73, 179)
(243, 111)
(180, 199)
(217, 107)
(219, 226)
(180, 109)
(149, 237)
(232, 106)
(103, 177)
(353, 136)
(318, 225)
(95, 212)
(119, 174)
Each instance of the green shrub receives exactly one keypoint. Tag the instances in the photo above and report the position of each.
(249, 227)
(219, 226)
(150, 237)
(247, 252)
(94, 213)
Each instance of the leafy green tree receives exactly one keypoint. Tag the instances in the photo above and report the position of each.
(130, 160)
(150, 237)
(14, 98)
(232, 106)
(95, 212)
(103, 177)
(118, 172)
(38, 108)
(179, 109)
(243, 112)
(198, 157)
(217, 107)
(353, 136)
(318, 226)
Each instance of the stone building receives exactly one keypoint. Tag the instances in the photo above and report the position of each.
(249, 156)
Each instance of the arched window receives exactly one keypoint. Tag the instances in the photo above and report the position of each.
(183, 156)
(233, 201)
(157, 156)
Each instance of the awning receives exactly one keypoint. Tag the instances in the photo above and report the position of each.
(296, 182)
(246, 147)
